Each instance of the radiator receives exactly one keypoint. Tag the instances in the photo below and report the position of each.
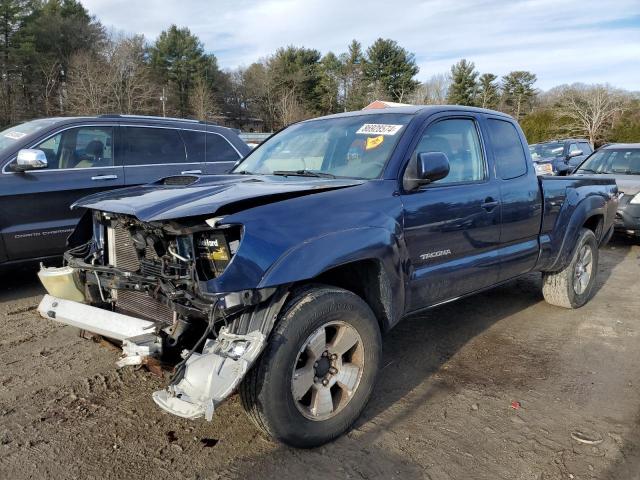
(123, 255)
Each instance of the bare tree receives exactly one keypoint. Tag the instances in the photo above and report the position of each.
(289, 108)
(236, 96)
(432, 92)
(132, 88)
(202, 102)
(589, 109)
(262, 93)
(117, 79)
(88, 88)
(51, 78)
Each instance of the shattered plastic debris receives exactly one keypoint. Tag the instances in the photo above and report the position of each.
(588, 438)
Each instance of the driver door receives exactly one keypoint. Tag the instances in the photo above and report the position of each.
(452, 225)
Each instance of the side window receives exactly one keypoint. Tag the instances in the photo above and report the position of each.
(51, 147)
(573, 147)
(586, 148)
(151, 146)
(217, 147)
(507, 149)
(83, 147)
(458, 140)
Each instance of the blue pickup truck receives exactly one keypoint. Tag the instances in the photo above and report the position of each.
(279, 279)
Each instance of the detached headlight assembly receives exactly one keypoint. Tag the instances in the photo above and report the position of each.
(214, 251)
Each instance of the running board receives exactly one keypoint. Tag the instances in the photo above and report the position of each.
(96, 320)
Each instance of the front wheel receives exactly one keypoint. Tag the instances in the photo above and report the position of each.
(318, 371)
(572, 287)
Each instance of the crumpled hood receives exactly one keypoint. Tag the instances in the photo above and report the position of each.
(205, 195)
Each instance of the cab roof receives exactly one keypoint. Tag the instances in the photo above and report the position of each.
(414, 110)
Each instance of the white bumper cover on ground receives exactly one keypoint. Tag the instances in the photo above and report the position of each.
(209, 377)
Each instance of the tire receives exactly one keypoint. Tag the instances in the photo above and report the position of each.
(569, 288)
(267, 392)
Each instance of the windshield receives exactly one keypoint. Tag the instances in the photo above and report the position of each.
(11, 136)
(546, 150)
(356, 147)
(624, 161)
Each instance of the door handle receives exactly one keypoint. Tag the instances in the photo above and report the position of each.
(104, 177)
(191, 172)
(489, 204)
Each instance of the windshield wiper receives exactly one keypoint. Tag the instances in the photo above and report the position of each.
(587, 170)
(302, 173)
(245, 172)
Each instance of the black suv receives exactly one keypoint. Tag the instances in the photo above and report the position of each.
(47, 164)
(559, 157)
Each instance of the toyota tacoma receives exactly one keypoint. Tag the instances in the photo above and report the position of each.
(278, 279)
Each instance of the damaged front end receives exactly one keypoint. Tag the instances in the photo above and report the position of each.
(148, 285)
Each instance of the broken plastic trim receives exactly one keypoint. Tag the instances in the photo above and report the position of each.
(209, 378)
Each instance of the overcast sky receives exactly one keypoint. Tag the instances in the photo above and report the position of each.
(589, 41)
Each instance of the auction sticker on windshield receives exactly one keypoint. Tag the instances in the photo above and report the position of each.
(379, 129)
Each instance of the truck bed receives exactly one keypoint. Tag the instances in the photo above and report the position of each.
(562, 197)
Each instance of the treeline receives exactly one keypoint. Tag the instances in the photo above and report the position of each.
(599, 113)
(57, 59)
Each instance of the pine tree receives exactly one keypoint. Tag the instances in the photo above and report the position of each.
(464, 86)
(178, 60)
(12, 15)
(518, 92)
(390, 70)
(329, 70)
(353, 86)
(488, 92)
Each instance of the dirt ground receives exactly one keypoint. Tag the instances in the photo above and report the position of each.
(443, 407)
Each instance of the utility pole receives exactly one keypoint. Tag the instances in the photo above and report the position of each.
(163, 99)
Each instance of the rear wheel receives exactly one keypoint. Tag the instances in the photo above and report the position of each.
(572, 287)
(317, 373)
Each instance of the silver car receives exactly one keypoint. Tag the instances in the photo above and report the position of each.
(621, 161)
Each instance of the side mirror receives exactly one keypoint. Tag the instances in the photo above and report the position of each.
(432, 166)
(30, 159)
(574, 153)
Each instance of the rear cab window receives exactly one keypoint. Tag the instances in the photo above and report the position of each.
(508, 150)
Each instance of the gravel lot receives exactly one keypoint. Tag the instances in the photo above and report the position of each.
(443, 408)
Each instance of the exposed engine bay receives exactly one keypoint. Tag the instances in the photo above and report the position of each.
(148, 286)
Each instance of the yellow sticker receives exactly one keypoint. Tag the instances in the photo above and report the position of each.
(374, 142)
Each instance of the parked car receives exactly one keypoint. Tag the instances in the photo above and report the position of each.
(48, 164)
(559, 157)
(289, 269)
(620, 161)
(254, 139)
